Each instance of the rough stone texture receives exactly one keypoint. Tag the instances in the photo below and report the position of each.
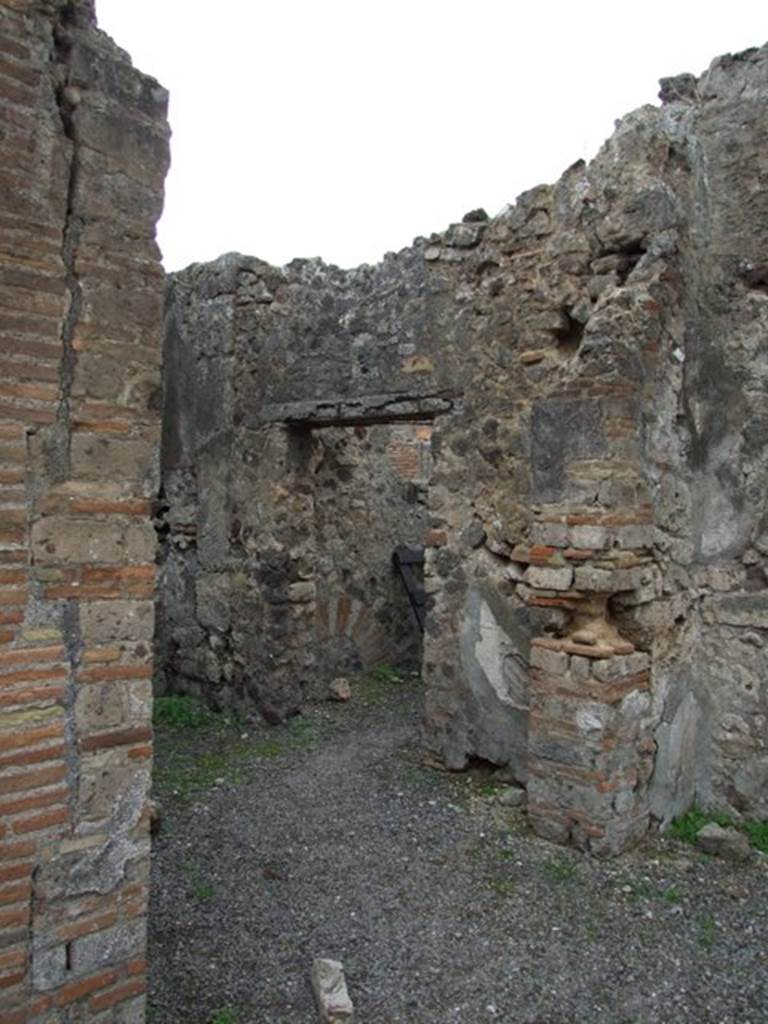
(268, 528)
(593, 362)
(84, 151)
(728, 843)
(330, 989)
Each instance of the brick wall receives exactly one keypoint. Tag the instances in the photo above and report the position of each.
(83, 155)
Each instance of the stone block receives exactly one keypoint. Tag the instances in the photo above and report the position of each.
(552, 534)
(329, 986)
(543, 577)
(99, 457)
(553, 662)
(587, 536)
(61, 539)
(580, 668)
(105, 621)
(111, 787)
(635, 536)
(126, 941)
(102, 706)
(607, 669)
(740, 609)
(587, 577)
(49, 967)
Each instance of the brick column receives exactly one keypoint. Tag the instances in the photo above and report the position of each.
(590, 752)
(84, 153)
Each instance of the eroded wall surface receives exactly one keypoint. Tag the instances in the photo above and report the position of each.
(593, 362)
(84, 150)
(271, 529)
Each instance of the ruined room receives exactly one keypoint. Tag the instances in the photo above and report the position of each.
(508, 485)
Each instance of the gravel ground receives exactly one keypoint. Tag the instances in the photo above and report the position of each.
(328, 837)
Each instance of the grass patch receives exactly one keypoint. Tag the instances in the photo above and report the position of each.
(224, 1016)
(671, 895)
(757, 831)
(633, 889)
(222, 754)
(378, 685)
(385, 673)
(489, 788)
(685, 827)
(180, 711)
(560, 869)
(638, 889)
(707, 930)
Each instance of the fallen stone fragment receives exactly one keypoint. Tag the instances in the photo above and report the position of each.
(728, 843)
(512, 796)
(330, 989)
(339, 689)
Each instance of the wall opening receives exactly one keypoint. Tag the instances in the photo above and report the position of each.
(369, 486)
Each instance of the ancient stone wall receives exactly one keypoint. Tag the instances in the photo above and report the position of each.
(592, 361)
(84, 150)
(245, 496)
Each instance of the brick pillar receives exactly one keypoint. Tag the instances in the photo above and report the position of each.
(591, 750)
(83, 156)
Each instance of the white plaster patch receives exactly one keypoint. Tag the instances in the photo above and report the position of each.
(490, 650)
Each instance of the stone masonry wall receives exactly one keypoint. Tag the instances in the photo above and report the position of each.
(625, 409)
(592, 362)
(84, 150)
(352, 495)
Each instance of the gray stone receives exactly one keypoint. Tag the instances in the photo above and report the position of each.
(329, 986)
(594, 537)
(728, 843)
(512, 796)
(340, 689)
(545, 578)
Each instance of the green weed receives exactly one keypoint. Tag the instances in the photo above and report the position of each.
(187, 774)
(379, 684)
(489, 788)
(224, 1016)
(707, 931)
(687, 826)
(671, 895)
(269, 748)
(560, 869)
(179, 711)
(385, 673)
(758, 834)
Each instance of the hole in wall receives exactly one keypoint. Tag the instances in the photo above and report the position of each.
(569, 338)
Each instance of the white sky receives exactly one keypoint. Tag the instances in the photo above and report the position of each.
(344, 128)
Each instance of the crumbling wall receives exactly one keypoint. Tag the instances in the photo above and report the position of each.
(84, 152)
(270, 528)
(631, 316)
(592, 363)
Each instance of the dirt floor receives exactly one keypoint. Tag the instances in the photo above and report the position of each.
(329, 837)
